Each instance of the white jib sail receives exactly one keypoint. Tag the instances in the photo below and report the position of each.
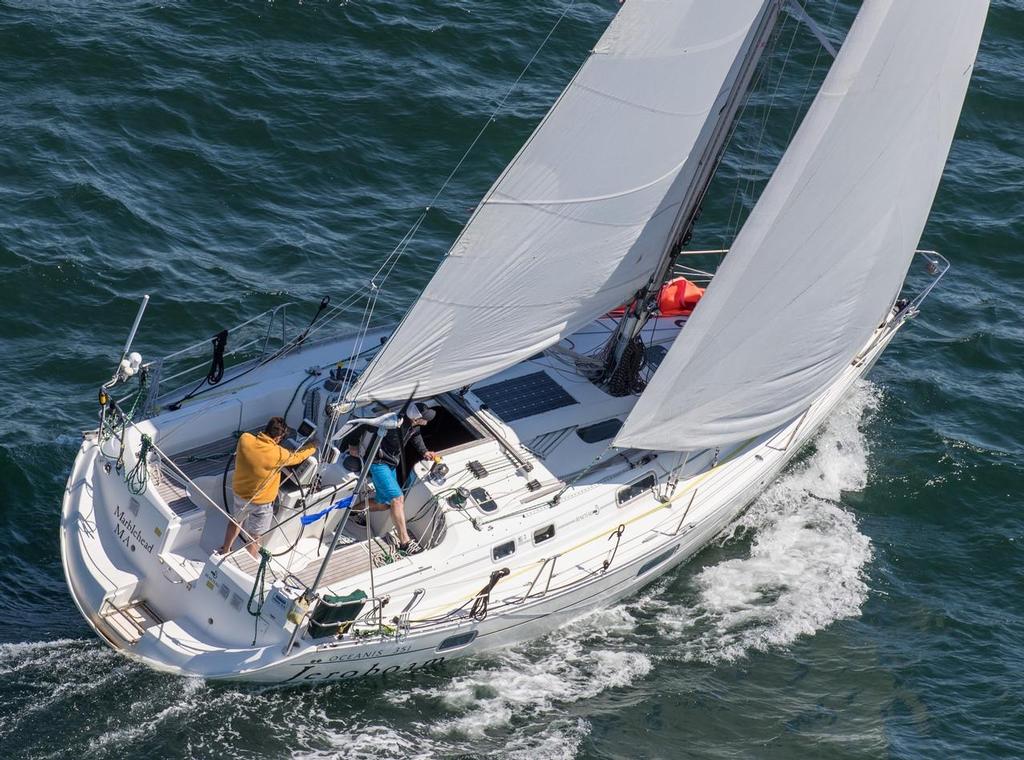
(577, 222)
(825, 250)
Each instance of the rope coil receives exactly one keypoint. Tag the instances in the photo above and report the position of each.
(258, 583)
(138, 476)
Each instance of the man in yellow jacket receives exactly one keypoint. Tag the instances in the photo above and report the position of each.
(258, 463)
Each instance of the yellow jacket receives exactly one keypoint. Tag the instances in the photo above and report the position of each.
(258, 463)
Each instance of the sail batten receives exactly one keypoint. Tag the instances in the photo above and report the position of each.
(579, 220)
(826, 248)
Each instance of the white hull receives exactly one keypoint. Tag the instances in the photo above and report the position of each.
(133, 559)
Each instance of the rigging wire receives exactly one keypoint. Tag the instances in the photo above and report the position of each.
(810, 77)
(399, 251)
(737, 205)
(733, 226)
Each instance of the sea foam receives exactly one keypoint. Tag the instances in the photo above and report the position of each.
(805, 565)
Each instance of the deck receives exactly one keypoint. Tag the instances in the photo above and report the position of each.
(347, 561)
(202, 461)
(211, 459)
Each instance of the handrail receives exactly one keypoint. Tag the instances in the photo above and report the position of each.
(551, 574)
(260, 344)
(271, 315)
(206, 341)
(938, 265)
(402, 620)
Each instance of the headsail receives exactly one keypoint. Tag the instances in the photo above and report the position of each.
(825, 250)
(578, 221)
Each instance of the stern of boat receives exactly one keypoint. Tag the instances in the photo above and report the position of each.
(103, 588)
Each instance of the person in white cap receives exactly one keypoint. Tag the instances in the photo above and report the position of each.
(387, 493)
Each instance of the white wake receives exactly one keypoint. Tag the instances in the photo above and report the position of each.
(805, 565)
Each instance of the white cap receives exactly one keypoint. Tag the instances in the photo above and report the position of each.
(415, 412)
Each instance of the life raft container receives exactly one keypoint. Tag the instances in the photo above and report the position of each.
(679, 297)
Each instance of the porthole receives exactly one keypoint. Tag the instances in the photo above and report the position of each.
(539, 536)
(457, 641)
(637, 488)
(501, 551)
(653, 563)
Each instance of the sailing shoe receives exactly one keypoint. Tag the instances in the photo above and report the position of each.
(412, 547)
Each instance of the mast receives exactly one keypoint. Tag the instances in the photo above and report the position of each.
(620, 366)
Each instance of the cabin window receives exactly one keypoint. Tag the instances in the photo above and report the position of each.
(539, 536)
(636, 488)
(501, 551)
(599, 431)
(456, 641)
(653, 563)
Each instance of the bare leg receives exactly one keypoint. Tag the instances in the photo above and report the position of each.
(398, 515)
(397, 507)
(254, 546)
(375, 506)
(229, 537)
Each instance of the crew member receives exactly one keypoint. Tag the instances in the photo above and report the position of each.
(258, 463)
(387, 492)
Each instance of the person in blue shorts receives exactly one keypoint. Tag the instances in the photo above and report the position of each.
(387, 492)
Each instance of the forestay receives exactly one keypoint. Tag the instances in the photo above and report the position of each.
(577, 222)
(825, 250)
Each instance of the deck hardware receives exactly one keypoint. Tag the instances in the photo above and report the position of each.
(617, 535)
(686, 511)
(551, 574)
(401, 620)
(478, 470)
(458, 498)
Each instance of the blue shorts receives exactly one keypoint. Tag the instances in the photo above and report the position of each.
(385, 483)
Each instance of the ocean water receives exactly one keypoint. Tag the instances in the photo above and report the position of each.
(227, 157)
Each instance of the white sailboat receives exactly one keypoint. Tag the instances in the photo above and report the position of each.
(584, 451)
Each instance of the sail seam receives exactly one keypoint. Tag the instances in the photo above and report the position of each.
(640, 106)
(671, 173)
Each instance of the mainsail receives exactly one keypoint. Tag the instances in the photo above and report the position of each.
(579, 220)
(825, 250)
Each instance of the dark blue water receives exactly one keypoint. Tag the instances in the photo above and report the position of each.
(227, 157)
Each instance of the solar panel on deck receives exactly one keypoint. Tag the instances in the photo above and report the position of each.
(524, 396)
